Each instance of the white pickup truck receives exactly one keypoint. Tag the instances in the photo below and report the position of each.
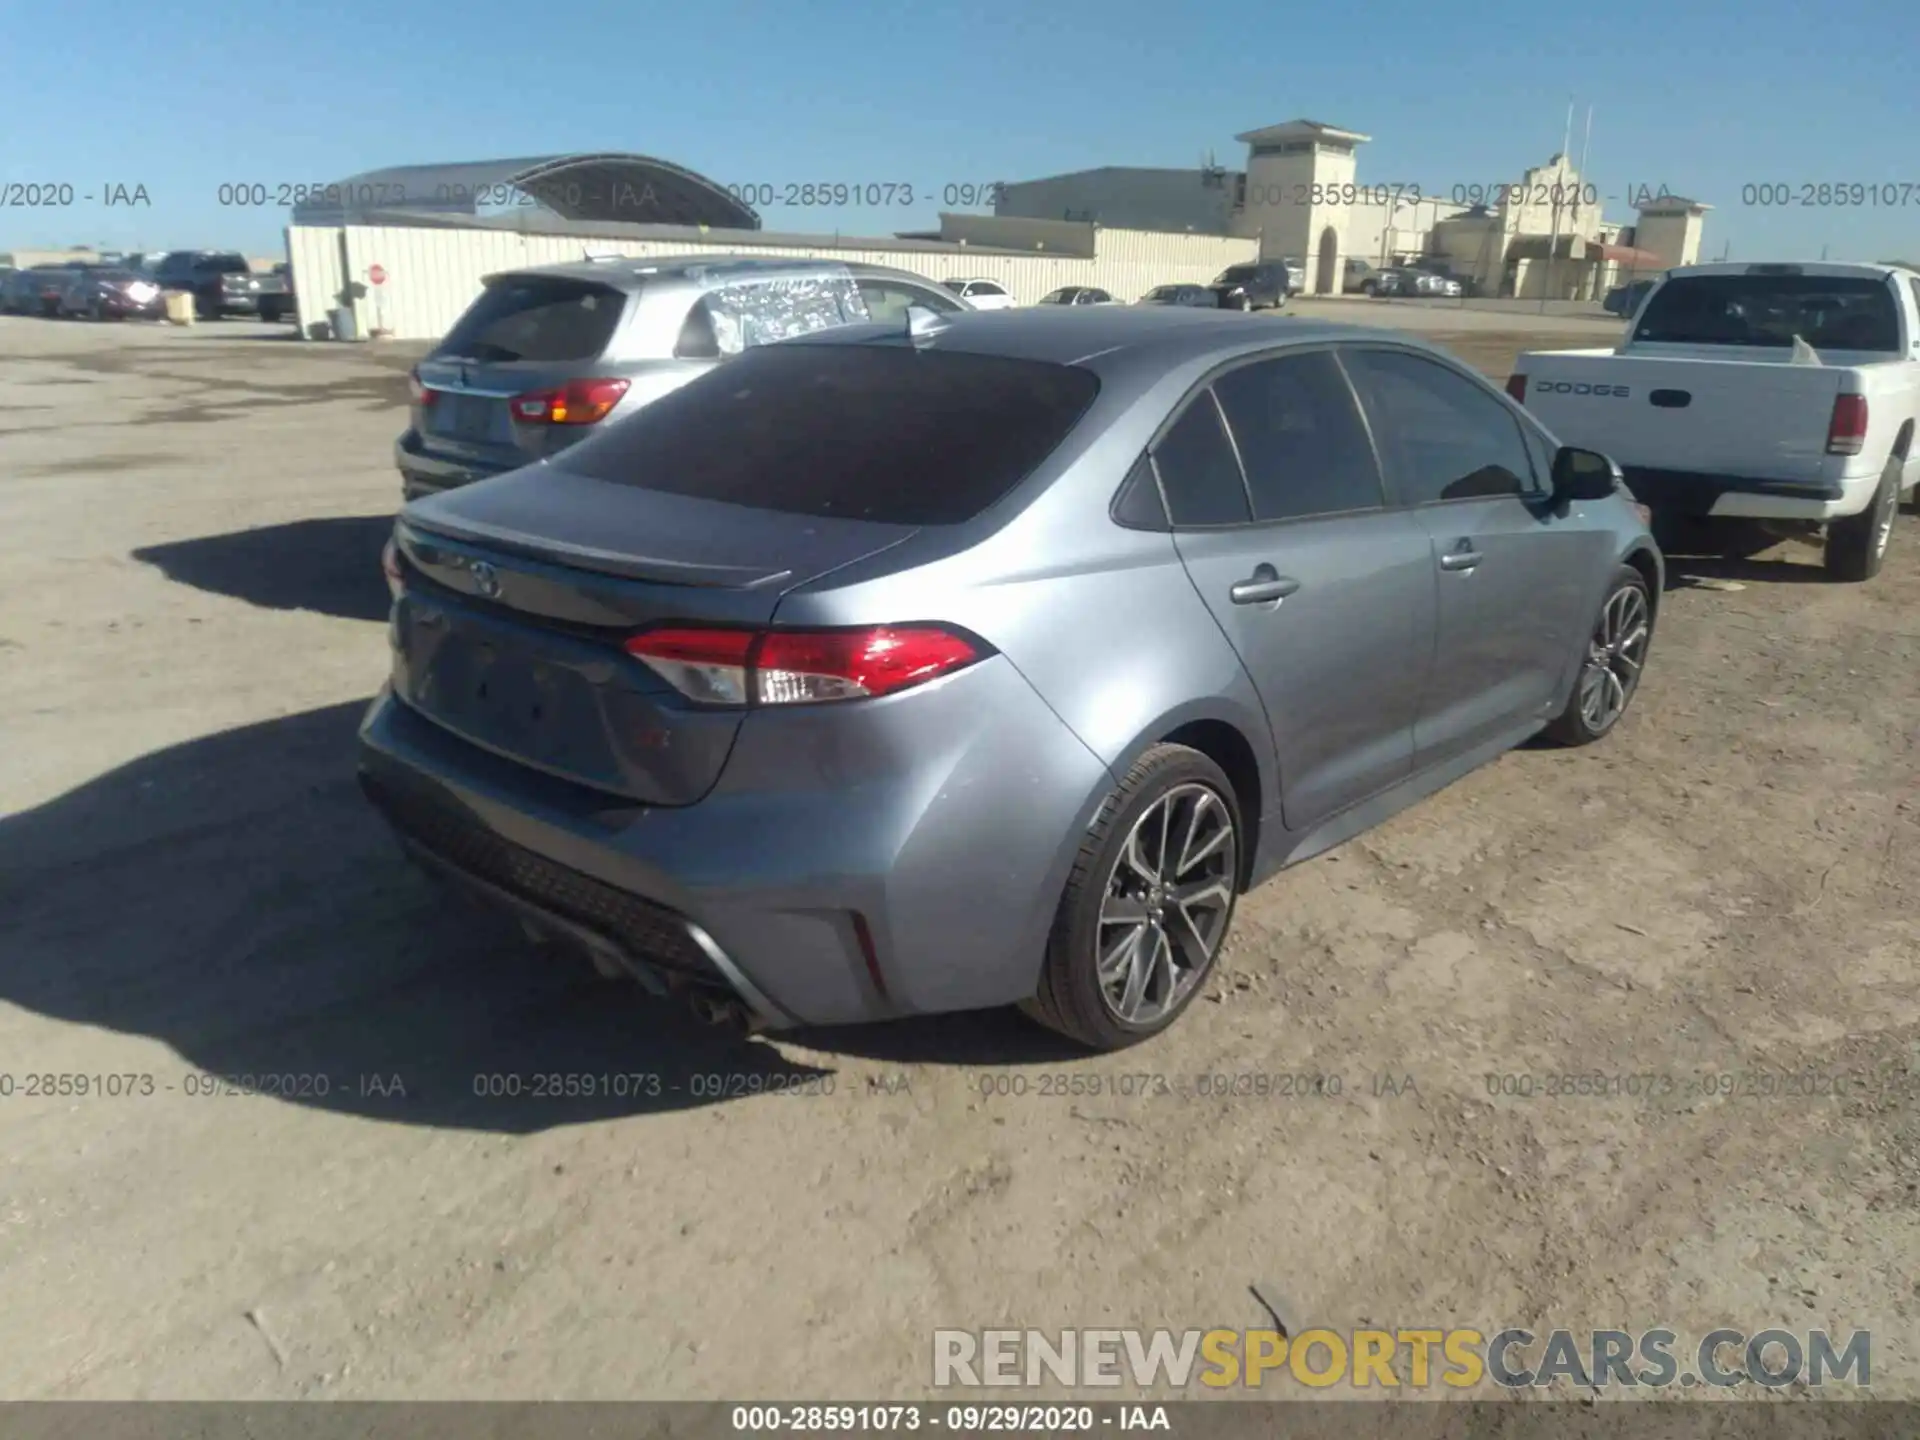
(1777, 392)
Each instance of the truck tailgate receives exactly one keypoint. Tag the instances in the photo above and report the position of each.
(1763, 420)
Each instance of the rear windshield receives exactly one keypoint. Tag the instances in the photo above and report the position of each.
(858, 432)
(1843, 313)
(222, 264)
(535, 317)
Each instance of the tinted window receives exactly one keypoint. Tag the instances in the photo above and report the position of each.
(984, 287)
(1837, 313)
(1057, 297)
(222, 265)
(865, 432)
(536, 318)
(1095, 297)
(1301, 438)
(1138, 503)
(1443, 437)
(1237, 274)
(1198, 473)
(887, 300)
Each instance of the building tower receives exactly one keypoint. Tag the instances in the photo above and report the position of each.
(1299, 192)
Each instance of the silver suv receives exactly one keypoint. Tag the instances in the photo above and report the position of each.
(545, 357)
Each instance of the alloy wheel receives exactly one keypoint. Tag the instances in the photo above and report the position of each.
(1167, 900)
(1615, 655)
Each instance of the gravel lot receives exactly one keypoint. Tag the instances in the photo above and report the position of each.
(191, 620)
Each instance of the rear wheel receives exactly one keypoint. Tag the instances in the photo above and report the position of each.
(1857, 545)
(1147, 906)
(1610, 672)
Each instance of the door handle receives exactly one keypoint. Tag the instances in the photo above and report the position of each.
(1462, 557)
(1263, 585)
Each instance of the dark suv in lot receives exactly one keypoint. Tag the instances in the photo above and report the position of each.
(221, 281)
(1263, 286)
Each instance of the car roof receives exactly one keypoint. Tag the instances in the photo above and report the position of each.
(636, 270)
(1816, 269)
(1115, 338)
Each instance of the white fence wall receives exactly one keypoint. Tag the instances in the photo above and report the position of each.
(434, 273)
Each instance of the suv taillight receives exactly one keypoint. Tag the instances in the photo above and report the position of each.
(802, 667)
(1847, 430)
(578, 402)
(418, 390)
(1517, 388)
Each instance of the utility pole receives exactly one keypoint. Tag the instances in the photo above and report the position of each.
(1553, 238)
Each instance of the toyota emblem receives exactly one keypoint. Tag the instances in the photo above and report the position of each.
(485, 579)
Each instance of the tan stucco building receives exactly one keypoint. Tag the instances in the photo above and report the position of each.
(1302, 198)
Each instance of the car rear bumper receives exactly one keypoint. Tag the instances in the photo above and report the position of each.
(845, 868)
(423, 474)
(1699, 495)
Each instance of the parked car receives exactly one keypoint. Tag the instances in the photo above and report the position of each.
(1434, 278)
(1261, 286)
(1788, 393)
(1358, 277)
(1623, 300)
(981, 294)
(37, 290)
(111, 294)
(221, 281)
(544, 355)
(1198, 297)
(1296, 274)
(275, 299)
(719, 699)
(1077, 295)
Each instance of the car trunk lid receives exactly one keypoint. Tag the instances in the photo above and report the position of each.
(509, 632)
(1757, 416)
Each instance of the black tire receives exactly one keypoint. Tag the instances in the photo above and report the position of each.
(1244, 304)
(1857, 545)
(1369, 288)
(1070, 999)
(1577, 724)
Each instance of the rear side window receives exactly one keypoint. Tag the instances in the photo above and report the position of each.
(1444, 438)
(861, 432)
(536, 317)
(1301, 439)
(889, 300)
(1831, 313)
(1198, 473)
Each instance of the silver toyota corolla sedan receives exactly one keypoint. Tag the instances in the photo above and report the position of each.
(988, 658)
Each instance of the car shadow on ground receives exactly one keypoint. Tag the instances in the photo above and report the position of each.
(236, 898)
(331, 566)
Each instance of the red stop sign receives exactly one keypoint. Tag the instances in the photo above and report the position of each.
(377, 274)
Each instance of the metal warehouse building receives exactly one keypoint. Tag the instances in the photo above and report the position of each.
(433, 232)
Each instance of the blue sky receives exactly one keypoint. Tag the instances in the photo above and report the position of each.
(1705, 98)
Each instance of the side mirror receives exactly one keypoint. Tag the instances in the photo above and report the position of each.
(1583, 475)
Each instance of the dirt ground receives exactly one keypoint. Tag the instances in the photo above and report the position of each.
(190, 885)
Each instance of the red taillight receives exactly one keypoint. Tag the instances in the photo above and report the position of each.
(421, 393)
(1847, 431)
(390, 563)
(578, 402)
(801, 667)
(1517, 388)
